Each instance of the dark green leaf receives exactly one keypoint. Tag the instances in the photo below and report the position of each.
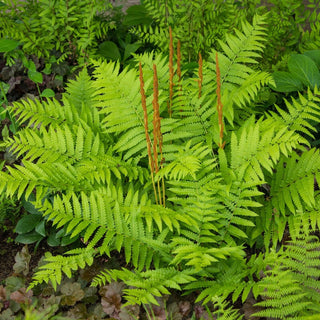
(47, 93)
(29, 64)
(7, 45)
(27, 223)
(129, 49)
(52, 240)
(35, 76)
(314, 55)
(28, 238)
(41, 228)
(109, 50)
(286, 82)
(29, 207)
(304, 69)
(137, 15)
(65, 241)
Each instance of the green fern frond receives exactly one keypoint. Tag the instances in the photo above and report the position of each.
(291, 286)
(106, 169)
(306, 220)
(239, 50)
(301, 114)
(284, 297)
(56, 144)
(144, 286)
(258, 148)
(227, 276)
(198, 256)
(120, 103)
(292, 186)
(36, 114)
(100, 218)
(56, 265)
(82, 94)
(42, 177)
(223, 311)
(241, 47)
(249, 88)
(186, 163)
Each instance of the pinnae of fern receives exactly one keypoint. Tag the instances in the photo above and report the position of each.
(200, 73)
(179, 61)
(219, 104)
(145, 117)
(171, 72)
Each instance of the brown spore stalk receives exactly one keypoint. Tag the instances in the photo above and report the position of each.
(157, 136)
(145, 117)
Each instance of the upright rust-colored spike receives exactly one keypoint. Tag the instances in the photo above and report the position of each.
(155, 105)
(171, 72)
(156, 126)
(200, 73)
(145, 117)
(219, 104)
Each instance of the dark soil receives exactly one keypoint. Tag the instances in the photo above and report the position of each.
(8, 250)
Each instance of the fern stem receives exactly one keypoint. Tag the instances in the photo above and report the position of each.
(219, 104)
(171, 72)
(200, 73)
(145, 116)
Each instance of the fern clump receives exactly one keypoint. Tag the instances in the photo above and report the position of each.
(291, 286)
(157, 163)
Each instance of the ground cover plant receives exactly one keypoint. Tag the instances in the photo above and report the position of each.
(184, 176)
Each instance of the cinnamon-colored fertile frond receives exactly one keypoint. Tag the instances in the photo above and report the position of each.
(156, 117)
(145, 117)
(157, 137)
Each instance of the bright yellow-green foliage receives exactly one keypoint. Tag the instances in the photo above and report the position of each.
(66, 28)
(86, 160)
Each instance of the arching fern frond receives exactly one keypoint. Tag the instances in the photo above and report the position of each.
(56, 265)
(43, 177)
(301, 114)
(258, 148)
(145, 286)
(291, 286)
(239, 82)
(223, 311)
(56, 144)
(82, 94)
(242, 47)
(284, 296)
(100, 218)
(37, 114)
(292, 185)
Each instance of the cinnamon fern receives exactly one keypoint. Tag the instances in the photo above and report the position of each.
(181, 192)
